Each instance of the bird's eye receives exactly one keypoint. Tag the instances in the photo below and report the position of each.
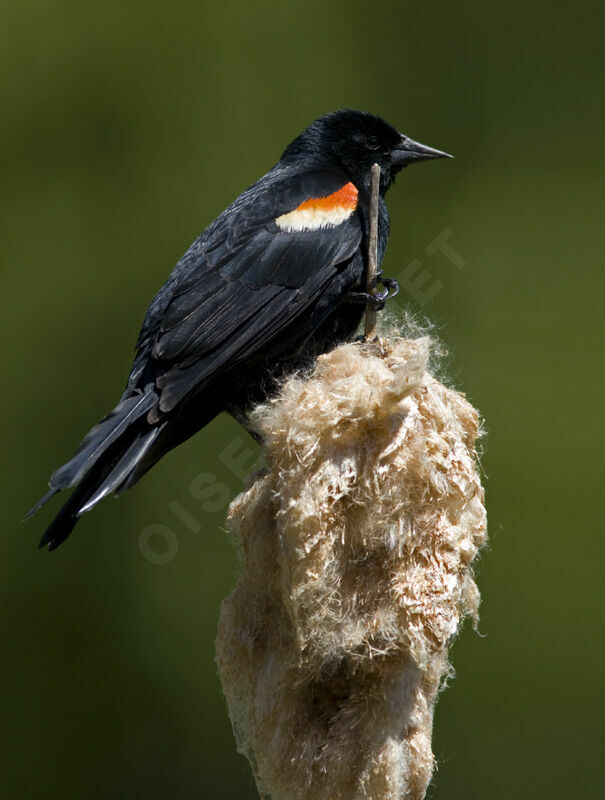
(373, 142)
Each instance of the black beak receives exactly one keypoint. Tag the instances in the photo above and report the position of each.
(408, 151)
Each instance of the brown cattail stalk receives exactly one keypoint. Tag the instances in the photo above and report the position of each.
(371, 312)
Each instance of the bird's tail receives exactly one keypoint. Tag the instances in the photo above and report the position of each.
(106, 459)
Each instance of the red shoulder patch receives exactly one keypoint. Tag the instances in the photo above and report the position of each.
(321, 212)
(343, 198)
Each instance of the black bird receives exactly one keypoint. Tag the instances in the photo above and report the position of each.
(276, 278)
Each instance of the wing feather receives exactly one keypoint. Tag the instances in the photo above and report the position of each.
(241, 283)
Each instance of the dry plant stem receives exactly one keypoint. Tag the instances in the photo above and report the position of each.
(356, 545)
(371, 312)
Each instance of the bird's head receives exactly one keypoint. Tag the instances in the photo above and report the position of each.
(354, 140)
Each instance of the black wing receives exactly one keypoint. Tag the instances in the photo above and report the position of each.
(241, 283)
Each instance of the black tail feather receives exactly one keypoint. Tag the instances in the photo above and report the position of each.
(63, 524)
(122, 470)
(116, 453)
(101, 437)
(42, 501)
(105, 460)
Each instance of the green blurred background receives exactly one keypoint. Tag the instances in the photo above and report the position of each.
(126, 127)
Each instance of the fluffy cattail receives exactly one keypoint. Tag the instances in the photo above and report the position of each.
(356, 544)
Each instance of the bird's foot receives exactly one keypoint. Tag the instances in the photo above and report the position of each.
(391, 285)
(377, 299)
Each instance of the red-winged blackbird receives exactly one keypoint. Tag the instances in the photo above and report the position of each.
(276, 278)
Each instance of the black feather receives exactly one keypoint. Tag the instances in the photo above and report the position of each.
(99, 438)
(123, 468)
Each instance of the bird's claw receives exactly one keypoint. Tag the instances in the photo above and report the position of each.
(390, 283)
(377, 299)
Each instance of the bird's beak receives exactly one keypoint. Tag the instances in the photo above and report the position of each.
(408, 151)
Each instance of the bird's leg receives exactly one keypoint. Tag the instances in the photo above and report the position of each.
(239, 415)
